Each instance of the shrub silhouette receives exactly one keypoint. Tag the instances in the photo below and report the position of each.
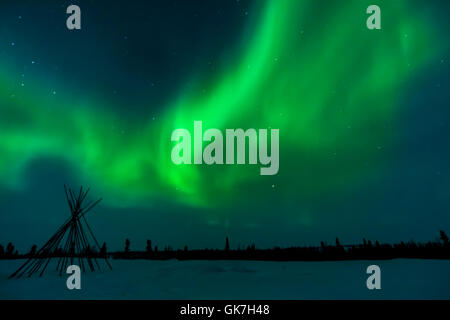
(149, 249)
(443, 237)
(127, 246)
(9, 250)
(33, 250)
(103, 250)
(227, 244)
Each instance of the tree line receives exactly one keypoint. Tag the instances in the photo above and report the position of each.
(367, 250)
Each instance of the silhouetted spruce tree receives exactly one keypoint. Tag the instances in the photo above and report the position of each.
(339, 247)
(227, 244)
(444, 237)
(127, 246)
(32, 251)
(103, 250)
(156, 248)
(9, 250)
(2, 251)
(149, 249)
(185, 248)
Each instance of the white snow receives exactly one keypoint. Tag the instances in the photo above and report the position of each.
(147, 279)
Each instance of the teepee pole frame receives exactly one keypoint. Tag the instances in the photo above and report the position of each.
(76, 242)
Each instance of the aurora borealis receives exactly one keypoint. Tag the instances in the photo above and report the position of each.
(355, 109)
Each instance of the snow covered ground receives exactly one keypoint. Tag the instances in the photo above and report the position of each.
(145, 279)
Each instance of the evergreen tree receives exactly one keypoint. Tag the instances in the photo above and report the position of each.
(103, 250)
(149, 249)
(227, 244)
(32, 250)
(444, 237)
(127, 245)
(9, 249)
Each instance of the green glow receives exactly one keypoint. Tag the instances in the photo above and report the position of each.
(312, 70)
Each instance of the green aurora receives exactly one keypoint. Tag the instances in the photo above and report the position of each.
(316, 72)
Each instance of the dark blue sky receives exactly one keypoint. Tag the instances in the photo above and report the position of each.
(142, 51)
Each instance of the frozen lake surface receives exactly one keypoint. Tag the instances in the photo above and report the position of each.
(147, 279)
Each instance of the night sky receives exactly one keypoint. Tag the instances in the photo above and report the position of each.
(363, 118)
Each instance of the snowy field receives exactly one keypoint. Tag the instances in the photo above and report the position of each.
(144, 279)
